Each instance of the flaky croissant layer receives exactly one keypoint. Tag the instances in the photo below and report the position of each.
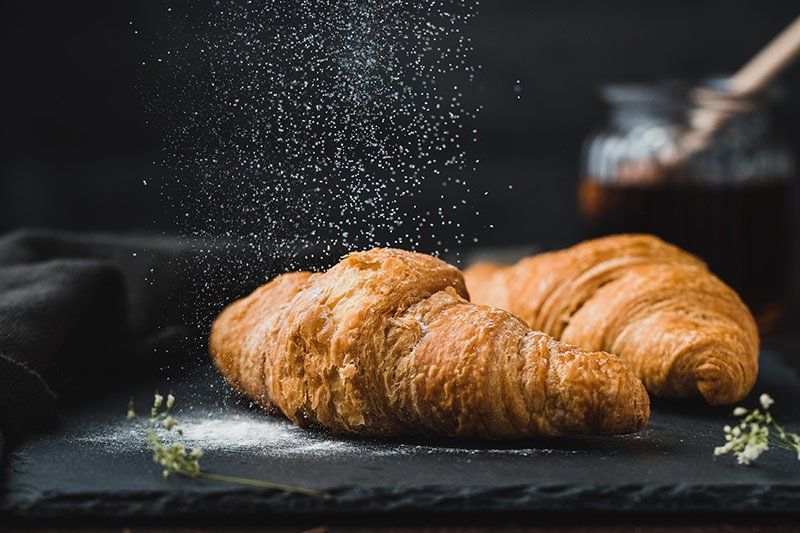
(386, 343)
(682, 330)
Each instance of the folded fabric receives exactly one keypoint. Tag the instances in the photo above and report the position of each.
(74, 306)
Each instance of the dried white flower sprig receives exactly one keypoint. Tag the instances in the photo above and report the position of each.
(176, 459)
(756, 433)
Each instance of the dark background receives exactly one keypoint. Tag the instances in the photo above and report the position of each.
(78, 141)
(76, 145)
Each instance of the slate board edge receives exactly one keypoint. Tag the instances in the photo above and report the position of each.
(432, 499)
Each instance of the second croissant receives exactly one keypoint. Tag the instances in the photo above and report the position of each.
(682, 330)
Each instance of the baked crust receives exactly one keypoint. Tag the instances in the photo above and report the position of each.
(682, 330)
(387, 343)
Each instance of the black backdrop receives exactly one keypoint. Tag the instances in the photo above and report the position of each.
(76, 147)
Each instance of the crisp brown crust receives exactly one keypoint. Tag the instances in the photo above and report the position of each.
(682, 330)
(386, 343)
(247, 329)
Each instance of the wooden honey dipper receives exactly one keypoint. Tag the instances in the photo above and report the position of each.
(749, 80)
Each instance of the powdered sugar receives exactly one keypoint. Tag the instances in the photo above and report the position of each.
(264, 435)
(297, 122)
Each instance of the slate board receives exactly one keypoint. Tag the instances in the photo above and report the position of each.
(669, 466)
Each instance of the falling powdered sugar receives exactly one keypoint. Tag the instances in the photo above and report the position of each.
(340, 125)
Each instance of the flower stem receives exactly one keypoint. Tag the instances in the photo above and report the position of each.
(175, 458)
(261, 484)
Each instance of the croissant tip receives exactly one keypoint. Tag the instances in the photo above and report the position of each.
(631, 417)
(722, 391)
(723, 380)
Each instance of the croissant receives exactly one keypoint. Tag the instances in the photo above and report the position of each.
(386, 343)
(682, 330)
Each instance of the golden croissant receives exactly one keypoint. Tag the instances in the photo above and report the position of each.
(386, 343)
(682, 330)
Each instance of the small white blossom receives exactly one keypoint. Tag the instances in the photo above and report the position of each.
(765, 400)
(174, 458)
(131, 411)
(753, 435)
(751, 452)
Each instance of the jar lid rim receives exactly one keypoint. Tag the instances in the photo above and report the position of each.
(669, 93)
(679, 94)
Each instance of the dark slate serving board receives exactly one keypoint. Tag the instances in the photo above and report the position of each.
(96, 465)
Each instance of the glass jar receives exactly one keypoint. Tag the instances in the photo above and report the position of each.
(728, 202)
